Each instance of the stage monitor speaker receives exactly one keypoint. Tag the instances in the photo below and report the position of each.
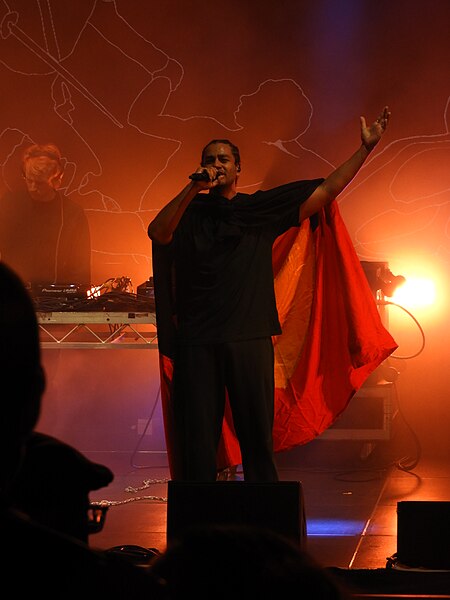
(423, 534)
(276, 506)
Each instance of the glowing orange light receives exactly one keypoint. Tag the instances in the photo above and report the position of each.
(94, 292)
(415, 292)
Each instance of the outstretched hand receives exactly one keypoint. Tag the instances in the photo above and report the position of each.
(370, 136)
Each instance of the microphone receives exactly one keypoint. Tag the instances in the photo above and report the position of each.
(202, 176)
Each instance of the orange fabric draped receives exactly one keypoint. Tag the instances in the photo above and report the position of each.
(333, 337)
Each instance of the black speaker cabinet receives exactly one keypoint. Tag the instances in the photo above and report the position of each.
(423, 534)
(276, 506)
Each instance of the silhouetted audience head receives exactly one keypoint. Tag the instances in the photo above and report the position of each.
(23, 379)
(54, 483)
(38, 560)
(236, 561)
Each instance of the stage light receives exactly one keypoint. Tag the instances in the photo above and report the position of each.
(381, 279)
(416, 292)
(389, 283)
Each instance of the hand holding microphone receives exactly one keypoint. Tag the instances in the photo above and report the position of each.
(205, 175)
(200, 176)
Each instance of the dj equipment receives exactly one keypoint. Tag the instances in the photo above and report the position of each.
(72, 297)
(62, 291)
(146, 289)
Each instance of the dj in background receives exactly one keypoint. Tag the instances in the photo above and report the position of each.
(44, 234)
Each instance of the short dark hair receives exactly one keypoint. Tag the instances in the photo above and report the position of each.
(234, 150)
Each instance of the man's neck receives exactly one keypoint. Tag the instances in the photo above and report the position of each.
(225, 191)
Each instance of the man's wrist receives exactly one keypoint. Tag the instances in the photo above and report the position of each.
(367, 149)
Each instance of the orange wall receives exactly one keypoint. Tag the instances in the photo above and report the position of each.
(131, 90)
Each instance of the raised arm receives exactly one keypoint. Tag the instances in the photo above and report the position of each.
(333, 185)
(166, 221)
(164, 224)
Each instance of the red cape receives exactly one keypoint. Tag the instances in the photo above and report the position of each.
(333, 337)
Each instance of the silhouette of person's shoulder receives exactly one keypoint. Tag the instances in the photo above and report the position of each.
(38, 560)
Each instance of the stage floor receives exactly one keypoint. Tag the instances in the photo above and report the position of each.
(350, 494)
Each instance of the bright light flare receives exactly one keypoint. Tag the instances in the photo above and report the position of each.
(94, 292)
(415, 293)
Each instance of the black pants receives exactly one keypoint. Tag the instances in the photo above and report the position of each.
(202, 376)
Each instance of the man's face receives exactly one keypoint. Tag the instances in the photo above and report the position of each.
(41, 184)
(220, 156)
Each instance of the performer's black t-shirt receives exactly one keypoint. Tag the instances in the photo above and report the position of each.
(224, 286)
